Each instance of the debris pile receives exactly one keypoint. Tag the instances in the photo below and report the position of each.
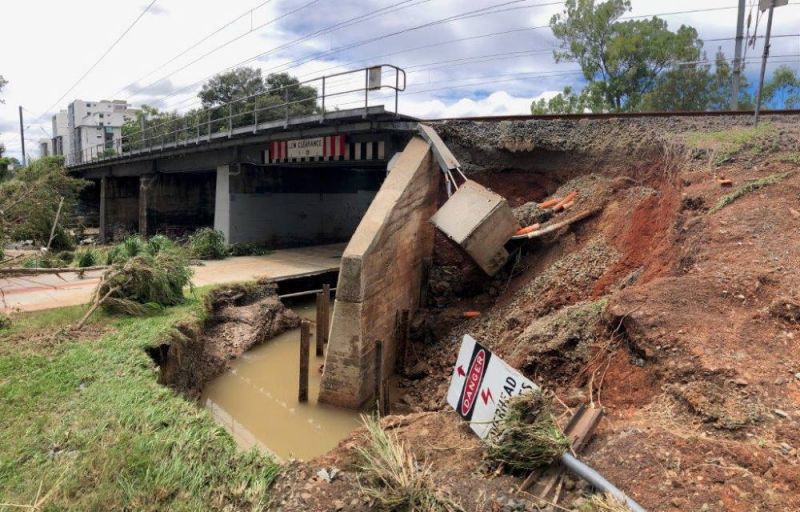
(527, 437)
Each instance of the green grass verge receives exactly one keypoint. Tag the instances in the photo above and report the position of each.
(87, 427)
(745, 189)
(725, 144)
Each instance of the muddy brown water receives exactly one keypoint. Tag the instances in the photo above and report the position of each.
(256, 399)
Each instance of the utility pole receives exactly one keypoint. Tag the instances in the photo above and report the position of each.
(764, 58)
(737, 60)
(22, 135)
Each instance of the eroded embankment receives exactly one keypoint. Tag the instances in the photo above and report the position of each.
(236, 318)
(674, 308)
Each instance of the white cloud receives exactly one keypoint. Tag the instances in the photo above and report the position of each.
(497, 103)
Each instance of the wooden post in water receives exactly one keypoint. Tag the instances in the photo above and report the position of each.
(379, 376)
(305, 334)
(320, 323)
(326, 307)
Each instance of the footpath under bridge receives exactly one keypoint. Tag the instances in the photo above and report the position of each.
(256, 170)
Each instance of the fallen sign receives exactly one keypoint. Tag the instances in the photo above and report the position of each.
(480, 388)
(481, 385)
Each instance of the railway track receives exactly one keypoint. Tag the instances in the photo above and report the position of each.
(623, 115)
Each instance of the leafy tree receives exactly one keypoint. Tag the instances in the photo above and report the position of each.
(29, 201)
(565, 102)
(232, 85)
(783, 89)
(621, 60)
(3, 83)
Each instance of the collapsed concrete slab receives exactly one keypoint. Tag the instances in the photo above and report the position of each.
(381, 274)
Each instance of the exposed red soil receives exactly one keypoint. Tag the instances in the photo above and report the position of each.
(681, 323)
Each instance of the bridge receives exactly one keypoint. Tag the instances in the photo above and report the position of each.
(251, 168)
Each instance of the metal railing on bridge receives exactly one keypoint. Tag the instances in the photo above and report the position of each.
(263, 110)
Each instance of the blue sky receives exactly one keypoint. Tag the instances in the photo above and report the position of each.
(497, 74)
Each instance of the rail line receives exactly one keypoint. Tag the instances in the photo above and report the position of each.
(610, 115)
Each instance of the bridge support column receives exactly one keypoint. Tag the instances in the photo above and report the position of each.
(104, 235)
(222, 202)
(145, 203)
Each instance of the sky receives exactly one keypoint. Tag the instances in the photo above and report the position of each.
(483, 57)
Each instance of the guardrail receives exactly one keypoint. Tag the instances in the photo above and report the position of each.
(250, 111)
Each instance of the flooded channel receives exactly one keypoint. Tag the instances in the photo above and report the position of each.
(256, 399)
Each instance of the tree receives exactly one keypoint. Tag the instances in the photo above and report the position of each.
(565, 102)
(621, 60)
(694, 87)
(3, 83)
(783, 89)
(28, 202)
(232, 85)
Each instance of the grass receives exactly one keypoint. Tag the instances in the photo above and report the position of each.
(725, 144)
(527, 437)
(748, 187)
(603, 503)
(87, 427)
(393, 478)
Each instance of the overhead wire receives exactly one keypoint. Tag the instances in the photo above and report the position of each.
(103, 56)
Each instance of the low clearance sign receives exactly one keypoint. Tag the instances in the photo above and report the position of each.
(481, 385)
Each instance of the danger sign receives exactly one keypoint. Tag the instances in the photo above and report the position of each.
(481, 385)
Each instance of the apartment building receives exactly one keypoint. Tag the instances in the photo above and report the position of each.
(87, 129)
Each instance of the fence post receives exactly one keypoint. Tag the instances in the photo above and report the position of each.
(326, 308)
(305, 334)
(379, 375)
(366, 92)
(286, 102)
(209, 125)
(255, 114)
(230, 120)
(320, 323)
(323, 100)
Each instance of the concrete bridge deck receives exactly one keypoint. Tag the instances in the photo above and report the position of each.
(35, 293)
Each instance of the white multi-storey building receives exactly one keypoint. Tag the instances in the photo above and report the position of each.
(89, 128)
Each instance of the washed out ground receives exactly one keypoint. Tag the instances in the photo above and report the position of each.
(675, 308)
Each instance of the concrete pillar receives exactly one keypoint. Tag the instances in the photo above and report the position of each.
(380, 276)
(145, 202)
(222, 202)
(104, 235)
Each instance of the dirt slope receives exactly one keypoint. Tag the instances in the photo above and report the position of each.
(674, 308)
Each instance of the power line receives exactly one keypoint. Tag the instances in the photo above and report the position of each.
(197, 43)
(325, 30)
(469, 14)
(103, 56)
(226, 43)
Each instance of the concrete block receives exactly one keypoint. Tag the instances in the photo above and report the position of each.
(481, 222)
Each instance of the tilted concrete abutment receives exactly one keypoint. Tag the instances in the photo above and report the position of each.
(381, 275)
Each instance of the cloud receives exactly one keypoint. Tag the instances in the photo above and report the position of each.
(496, 103)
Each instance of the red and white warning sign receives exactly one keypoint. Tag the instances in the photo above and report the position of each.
(481, 385)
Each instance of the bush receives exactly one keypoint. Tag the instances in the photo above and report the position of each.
(5, 321)
(248, 249)
(66, 257)
(86, 258)
(207, 244)
(158, 244)
(146, 283)
(42, 261)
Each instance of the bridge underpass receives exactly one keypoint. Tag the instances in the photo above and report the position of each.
(307, 183)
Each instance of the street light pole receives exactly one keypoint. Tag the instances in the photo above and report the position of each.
(22, 135)
(737, 59)
(764, 58)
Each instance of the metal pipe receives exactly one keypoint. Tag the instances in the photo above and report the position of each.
(764, 60)
(597, 481)
(302, 294)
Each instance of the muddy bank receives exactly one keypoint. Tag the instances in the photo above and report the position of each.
(237, 317)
